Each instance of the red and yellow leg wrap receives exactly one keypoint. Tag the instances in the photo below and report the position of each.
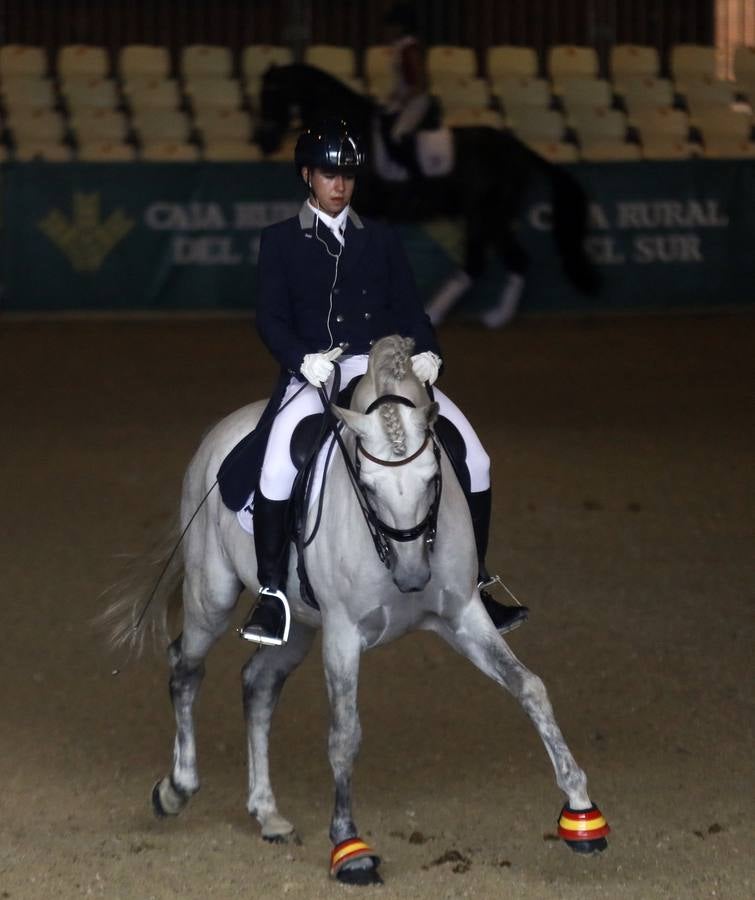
(352, 848)
(582, 825)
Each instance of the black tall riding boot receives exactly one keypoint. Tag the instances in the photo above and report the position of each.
(505, 618)
(270, 619)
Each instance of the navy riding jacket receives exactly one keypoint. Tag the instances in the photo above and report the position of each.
(374, 294)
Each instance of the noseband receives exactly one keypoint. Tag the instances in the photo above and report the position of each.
(379, 529)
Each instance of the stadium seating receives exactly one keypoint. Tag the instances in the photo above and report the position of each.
(92, 123)
(82, 61)
(566, 61)
(161, 125)
(462, 93)
(47, 151)
(169, 151)
(515, 92)
(22, 61)
(708, 93)
(27, 93)
(39, 126)
(545, 125)
(599, 124)
(744, 70)
(723, 123)
(206, 61)
(89, 92)
(340, 62)
(596, 150)
(665, 147)
(256, 59)
(586, 92)
(214, 93)
(106, 151)
(473, 118)
(506, 61)
(726, 148)
(445, 61)
(644, 92)
(152, 93)
(633, 60)
(224, 125)
(143, 61)
(691, 62)
(555, 151)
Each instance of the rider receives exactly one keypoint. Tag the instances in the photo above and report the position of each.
(330, 285)
(409, 106)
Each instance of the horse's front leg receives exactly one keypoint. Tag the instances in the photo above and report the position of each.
(581, 824)
(352, 861)
(263, 678)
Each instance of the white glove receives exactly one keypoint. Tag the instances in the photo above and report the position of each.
(317, 367)
(426, 366)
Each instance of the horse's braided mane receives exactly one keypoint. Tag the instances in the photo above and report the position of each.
(392, 363)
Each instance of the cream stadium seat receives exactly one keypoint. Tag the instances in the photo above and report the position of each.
(586, 92)
(214, 93)
(47, 151)
(256, 59)
(143, 61)
(567, 61)
(599, 124)
(744, 71)
(473, 118)
(206, 61)
(41, 126)
(90, 92)
(169, 151)
(691, 62)
(645, 92)
(546, 125)
(660, 147)
(161, 125)
(709, 93)
(728, 148)
(380, 87)
(224, 124)
(598, 150)
(555, 151)
(340, 62)
(515, 92)
(724, 124)
(231, 151)
(662, 121)
(462, 93)
(377, 62)
(82, 61)
(106, 151)
(22, 61)
(633, 60)
(448, 61)
(508, 61)
(152, 93)
(91, 124)
(27, 93)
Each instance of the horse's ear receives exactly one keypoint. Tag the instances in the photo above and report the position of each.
(357, 422)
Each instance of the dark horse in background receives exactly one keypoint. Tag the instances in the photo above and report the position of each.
(486, 187)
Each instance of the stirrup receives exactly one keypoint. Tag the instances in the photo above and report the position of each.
(260, 636)
(505, 618)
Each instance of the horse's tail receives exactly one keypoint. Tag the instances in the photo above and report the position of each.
(570, 220)
(139, 603)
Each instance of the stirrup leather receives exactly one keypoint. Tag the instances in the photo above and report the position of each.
(264, 639)
(485, 583)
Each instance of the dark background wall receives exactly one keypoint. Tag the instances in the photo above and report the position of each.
(476, 23)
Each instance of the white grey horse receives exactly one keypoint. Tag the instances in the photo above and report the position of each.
(427, 581)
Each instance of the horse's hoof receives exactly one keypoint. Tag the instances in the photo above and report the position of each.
(583, 830)
(157, 806)
(291, 838)
(167, 799)
(359, 877)
(354, 862)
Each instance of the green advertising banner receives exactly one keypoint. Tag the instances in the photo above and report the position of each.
(186, 236)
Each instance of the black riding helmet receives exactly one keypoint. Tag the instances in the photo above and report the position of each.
(332, 146)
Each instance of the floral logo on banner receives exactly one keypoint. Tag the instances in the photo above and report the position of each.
(86, 239)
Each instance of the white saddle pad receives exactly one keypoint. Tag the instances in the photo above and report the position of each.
(245, 516)
(435, 155)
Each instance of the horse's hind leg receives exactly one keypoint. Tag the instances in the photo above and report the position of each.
(475, 638)
(206, 613)
(262, 679)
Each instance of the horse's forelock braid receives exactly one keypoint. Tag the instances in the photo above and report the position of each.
(393, 428)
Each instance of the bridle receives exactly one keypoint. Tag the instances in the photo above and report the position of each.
(379, 530)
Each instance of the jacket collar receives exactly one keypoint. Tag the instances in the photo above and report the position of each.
(307, 217)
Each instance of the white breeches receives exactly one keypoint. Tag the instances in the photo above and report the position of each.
(278, 472)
